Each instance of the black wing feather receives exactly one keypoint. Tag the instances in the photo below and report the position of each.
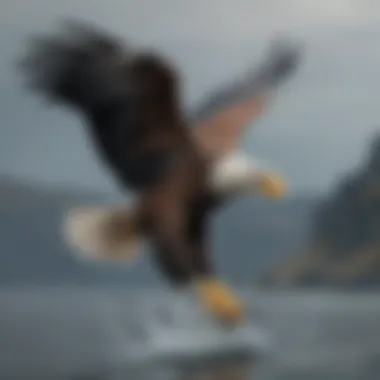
(127, 99)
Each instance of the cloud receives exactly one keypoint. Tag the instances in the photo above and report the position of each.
(214, 21)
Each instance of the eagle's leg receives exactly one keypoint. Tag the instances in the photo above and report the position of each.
(179, 237)
(270, 184)
(219, 300)
(216, 296)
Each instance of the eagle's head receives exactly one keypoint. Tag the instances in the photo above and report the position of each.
(234, 173)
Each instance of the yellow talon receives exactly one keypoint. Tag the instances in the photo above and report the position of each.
(272, 185)
(220, 301)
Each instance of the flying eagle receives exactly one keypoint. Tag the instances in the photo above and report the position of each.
(181, 168)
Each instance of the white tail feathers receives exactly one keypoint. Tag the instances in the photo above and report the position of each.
(103, 233)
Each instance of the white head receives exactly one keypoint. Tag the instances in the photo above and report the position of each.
(235, 173)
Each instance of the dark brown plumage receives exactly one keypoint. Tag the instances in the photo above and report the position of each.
(130, 102)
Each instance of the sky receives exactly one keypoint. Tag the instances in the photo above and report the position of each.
(317, 128)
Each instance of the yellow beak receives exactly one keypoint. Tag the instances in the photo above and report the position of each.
(272, 185)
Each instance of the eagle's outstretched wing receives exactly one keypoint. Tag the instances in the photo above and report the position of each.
(220, 122)
(128, 98)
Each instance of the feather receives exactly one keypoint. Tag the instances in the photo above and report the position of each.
(103, 233)
(128, 99)
(219, 122)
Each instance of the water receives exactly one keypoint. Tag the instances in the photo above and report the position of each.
(83, 333)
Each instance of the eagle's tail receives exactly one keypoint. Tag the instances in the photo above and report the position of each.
(104, 233)
(79, 67)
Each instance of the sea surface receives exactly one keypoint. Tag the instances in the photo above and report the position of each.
(95, 333)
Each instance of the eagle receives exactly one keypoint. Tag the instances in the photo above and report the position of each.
(179, 167)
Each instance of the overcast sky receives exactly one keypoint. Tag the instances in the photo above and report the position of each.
(317, 128)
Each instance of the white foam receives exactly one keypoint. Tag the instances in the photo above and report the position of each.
(200, 346)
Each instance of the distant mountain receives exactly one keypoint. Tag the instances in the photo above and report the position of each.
(249, 235)
(344, 249)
